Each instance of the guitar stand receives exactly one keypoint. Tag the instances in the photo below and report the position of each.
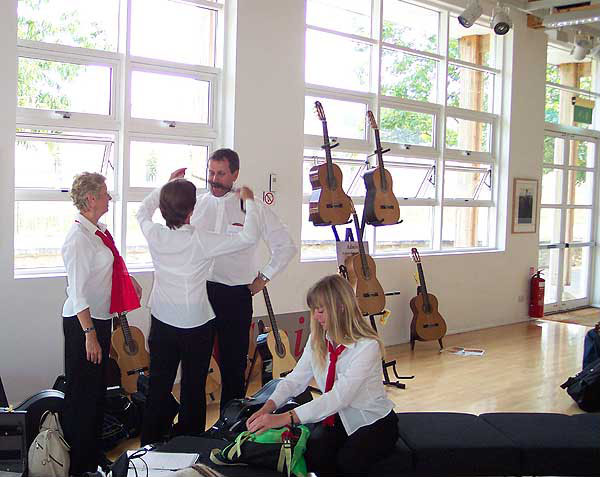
(389, 364)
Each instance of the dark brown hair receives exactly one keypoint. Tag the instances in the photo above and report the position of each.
(177, 200)
(228, 155)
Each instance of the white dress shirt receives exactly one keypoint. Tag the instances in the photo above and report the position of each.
(224, 215)
(89, 265)
(357, 394)
(182, 259)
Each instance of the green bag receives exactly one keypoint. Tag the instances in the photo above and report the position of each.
(280, 449)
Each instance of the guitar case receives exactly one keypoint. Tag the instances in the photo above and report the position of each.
(237, 411)
(36, 405)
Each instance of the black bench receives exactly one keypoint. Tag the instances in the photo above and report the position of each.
(458, 444)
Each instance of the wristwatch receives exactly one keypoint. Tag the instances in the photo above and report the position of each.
(88, 330)
(263, 277)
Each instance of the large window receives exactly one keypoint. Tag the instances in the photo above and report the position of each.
(127, 88)
(569, 81)
(434, 88)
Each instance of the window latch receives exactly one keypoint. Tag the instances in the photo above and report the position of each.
(170, 124)
(63, 114)
(466, 153)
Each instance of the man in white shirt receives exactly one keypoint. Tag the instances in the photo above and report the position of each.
(235, 278)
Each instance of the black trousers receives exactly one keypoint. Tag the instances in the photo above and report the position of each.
(85, 392)
(332, 452)
(169, 346)
(233, 307)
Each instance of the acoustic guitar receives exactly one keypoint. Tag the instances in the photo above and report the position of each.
(329, 204)
(381, 205)
(427, 323)
(129, 345)
(278, 344)
(361, 271)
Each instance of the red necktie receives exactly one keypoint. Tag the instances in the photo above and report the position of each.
(123, 297)
(333, 357)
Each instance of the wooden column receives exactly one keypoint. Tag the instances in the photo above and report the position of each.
(473, 49)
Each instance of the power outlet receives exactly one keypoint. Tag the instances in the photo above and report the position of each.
(521, 298)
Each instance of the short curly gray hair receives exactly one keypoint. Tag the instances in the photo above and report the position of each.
(84, 184)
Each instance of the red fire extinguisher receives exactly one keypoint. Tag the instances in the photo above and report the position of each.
(536, 299)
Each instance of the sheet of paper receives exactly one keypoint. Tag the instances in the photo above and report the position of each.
(168, 461)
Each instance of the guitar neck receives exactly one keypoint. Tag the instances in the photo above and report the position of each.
(272, 317)
(361, 247)
(125, 327)
(423, 287)
(328, 158)
(379, 152)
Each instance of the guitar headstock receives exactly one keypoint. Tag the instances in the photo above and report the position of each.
(320, 111)
(372, 121)
(415, 255)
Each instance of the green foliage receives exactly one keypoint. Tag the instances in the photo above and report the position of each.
(41, 83)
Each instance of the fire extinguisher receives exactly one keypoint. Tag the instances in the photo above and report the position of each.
(536, 299)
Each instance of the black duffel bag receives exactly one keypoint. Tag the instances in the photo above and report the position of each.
(584, 388)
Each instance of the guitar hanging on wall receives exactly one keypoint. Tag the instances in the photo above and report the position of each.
(329, 204)
(278, 344)
(427, 323)
(381, 205)
(360, 268)
(129, 345)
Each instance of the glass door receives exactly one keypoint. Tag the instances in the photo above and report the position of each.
(567, 220)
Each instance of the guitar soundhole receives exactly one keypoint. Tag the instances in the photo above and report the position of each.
(431, 325)
(280, 350)
(132, 348)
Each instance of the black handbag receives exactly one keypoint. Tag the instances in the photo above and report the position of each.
(584, 388)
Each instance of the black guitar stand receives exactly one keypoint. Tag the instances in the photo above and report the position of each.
(389, 364)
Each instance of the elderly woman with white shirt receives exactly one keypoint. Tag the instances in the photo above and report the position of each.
(89, 255)
(353, 422)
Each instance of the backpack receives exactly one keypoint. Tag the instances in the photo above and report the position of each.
(584, 388)
(277, 449)
(49, 453)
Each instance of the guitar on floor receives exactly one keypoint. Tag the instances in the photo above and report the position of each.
(381, 205)
(278, 344)
(129, 345)
(427, 323)
(329, 204)
(361, 271)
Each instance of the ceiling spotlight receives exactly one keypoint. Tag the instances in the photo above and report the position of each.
(470, 14)
(581, 48)
(501, 22)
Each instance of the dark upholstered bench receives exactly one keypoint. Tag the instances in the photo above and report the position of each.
(456, 444)
(452, 443)
(552, 444)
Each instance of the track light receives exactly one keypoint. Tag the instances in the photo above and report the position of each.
(581, 48)
(470, 15)
(501, 22)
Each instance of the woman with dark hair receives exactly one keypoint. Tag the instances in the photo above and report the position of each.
(97, 285)
(353, 422)
(182, 328)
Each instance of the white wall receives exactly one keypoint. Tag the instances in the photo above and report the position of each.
(265, 102)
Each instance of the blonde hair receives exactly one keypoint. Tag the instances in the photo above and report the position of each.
(84, 184)
(345, 324)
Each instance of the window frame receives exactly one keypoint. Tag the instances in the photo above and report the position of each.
(119, 124)
(439, 153)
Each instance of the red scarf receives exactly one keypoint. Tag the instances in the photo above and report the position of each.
(123, 297)
(334, 354)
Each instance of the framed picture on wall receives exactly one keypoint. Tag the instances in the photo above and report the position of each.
(525, 206)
